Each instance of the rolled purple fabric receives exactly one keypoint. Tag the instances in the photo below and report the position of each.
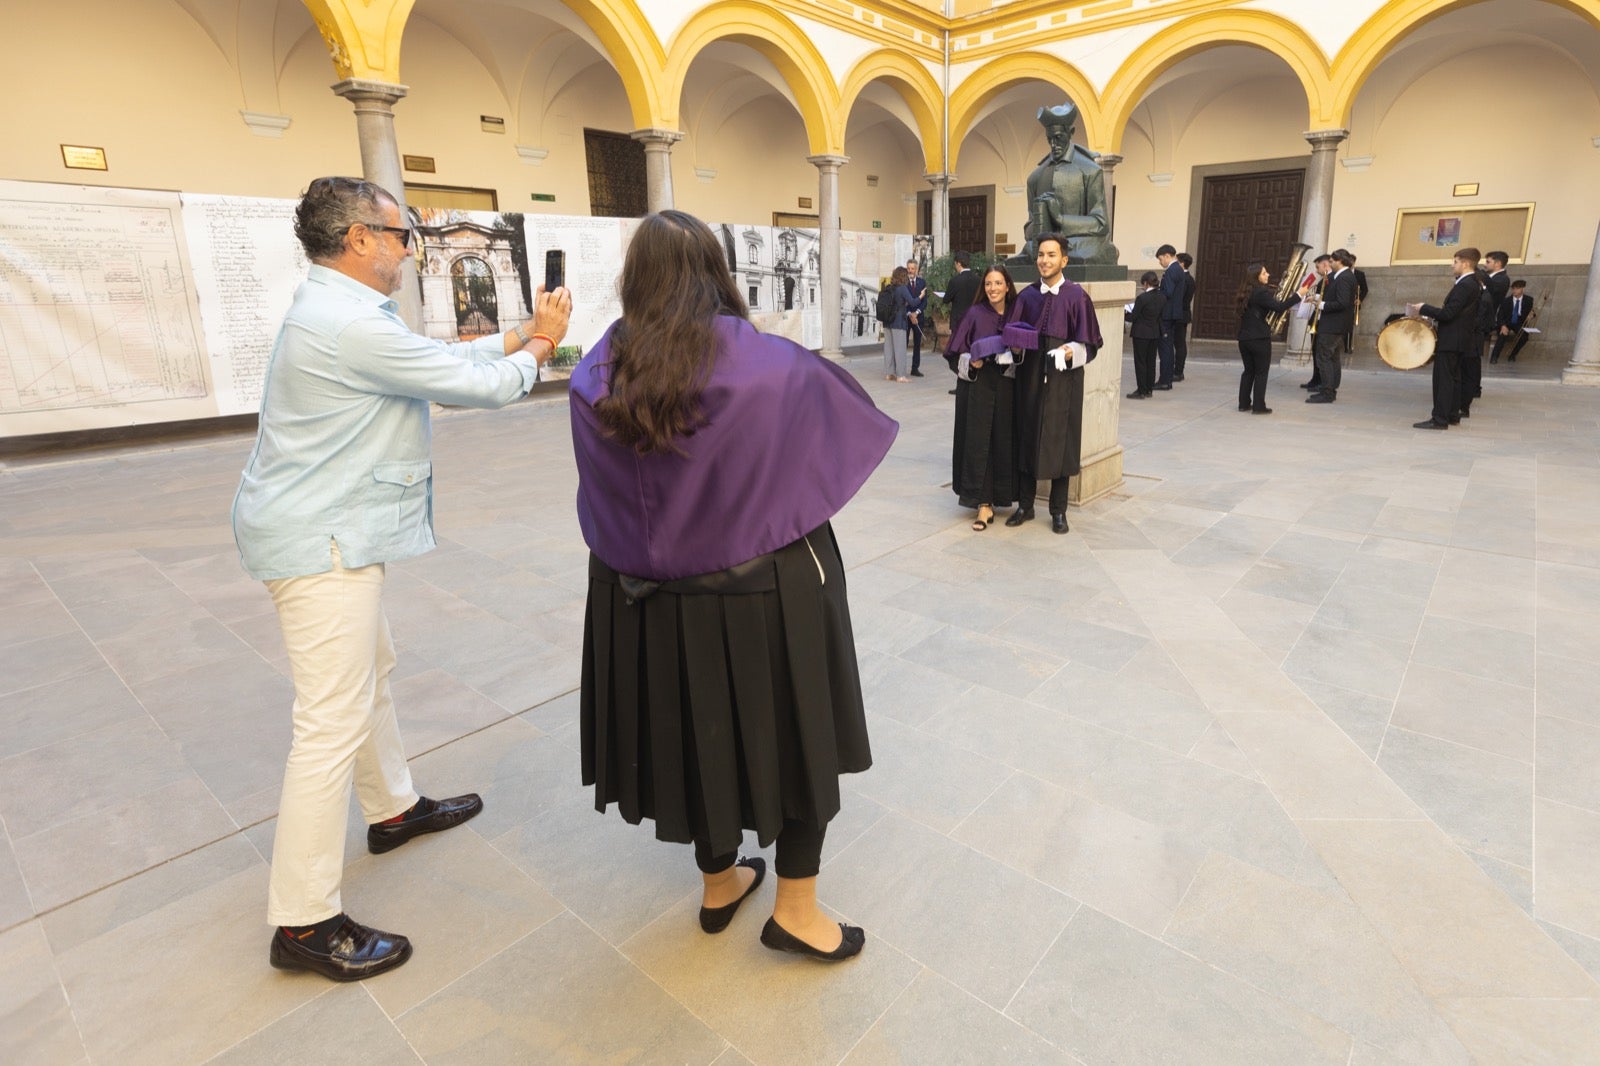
(1016, 335)
(984, 347)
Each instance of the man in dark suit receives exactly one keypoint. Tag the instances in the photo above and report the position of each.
(1511, 320)
(919, 293)
(1311, 290)
(1335, 314)
(1458, 333)
(962, 290)
(1361, 298)
(1172, 276)
(1496, 287)
(1180, 337)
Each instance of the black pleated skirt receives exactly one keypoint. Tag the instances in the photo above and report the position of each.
(726, 701)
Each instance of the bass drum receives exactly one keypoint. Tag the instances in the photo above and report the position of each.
(1407, 343)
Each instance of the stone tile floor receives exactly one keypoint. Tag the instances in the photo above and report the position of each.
(1287, 754)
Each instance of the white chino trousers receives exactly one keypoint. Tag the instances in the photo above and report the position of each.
(341, 655)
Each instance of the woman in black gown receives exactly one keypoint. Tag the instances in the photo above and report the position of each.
(984, 461)
(1257, 300)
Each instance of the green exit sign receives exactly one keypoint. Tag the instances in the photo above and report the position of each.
(877, 224)
(544, 197)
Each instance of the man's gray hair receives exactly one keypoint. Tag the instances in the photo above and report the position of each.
(330, 207)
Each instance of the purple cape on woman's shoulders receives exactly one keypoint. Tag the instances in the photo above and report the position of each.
(789, 438)
(979, 333)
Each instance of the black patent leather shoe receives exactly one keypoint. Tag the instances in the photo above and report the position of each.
(1020, 516)
(778, 938)
(444, 814)
(1058, 523)
(716, 919)
(354, 952)
(1320, 397)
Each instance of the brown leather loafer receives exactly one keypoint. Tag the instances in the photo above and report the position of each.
(444, 814)
(354, 952)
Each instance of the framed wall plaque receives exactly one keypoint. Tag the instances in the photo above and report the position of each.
(82, 157)
(1424, 235)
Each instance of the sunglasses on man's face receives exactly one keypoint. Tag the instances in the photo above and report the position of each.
(404, 232)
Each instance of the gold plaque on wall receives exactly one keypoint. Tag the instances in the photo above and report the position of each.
(1465, 188)
(423, 164)
(80, 157)
(805, 201)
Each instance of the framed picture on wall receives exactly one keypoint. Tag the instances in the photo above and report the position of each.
(1424, 235)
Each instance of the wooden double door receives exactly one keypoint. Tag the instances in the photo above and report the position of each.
(1244, 218)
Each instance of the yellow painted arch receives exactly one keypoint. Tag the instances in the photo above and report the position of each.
(782, 42)
(363, 36)
(1260, 29)
(989, 80)
(914, 84)
(635, 53)
(1368, 46)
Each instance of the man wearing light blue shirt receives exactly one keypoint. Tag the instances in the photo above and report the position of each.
(339, 484)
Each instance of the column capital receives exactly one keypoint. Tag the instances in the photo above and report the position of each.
(939, 181)
(362, 91)
(1109, 160)
(1325, 140)
(654, 135)
(827, 162)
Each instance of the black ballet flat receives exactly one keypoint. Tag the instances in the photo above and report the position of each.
(778, 938)
(716, 919)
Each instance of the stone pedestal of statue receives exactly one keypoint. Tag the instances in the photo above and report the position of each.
(1101, 466)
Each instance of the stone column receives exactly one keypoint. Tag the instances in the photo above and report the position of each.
(1584, 369)
(941, 211)
(1108, 166)
(657, 165)
(380, 163)
(1315, 222)
(1319, 188)
(828, 222)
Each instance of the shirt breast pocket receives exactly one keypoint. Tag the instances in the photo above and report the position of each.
(401, 494)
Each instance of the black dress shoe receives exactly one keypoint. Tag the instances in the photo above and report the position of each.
(1135, 395)
(778, 938)
(1320, 397)
(916, 373)
(354, 952)
(1465, 413)
(1058, 523)
(1261, 410)
(1177, 378)
(1456, 421)
(716, 919)
(432, 816)
(1163, 388)
(1310, 385)
(1429, 424)
(1020, 516)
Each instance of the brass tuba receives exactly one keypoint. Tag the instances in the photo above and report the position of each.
(1293, 274)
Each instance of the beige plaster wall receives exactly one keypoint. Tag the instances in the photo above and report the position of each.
(1529, 141)
(152, 89)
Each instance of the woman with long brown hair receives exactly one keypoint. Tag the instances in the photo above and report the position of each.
(720, 685)
(1256, 301)
(984, 460)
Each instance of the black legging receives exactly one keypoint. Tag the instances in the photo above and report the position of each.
(799, 852)
(1257, 357)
